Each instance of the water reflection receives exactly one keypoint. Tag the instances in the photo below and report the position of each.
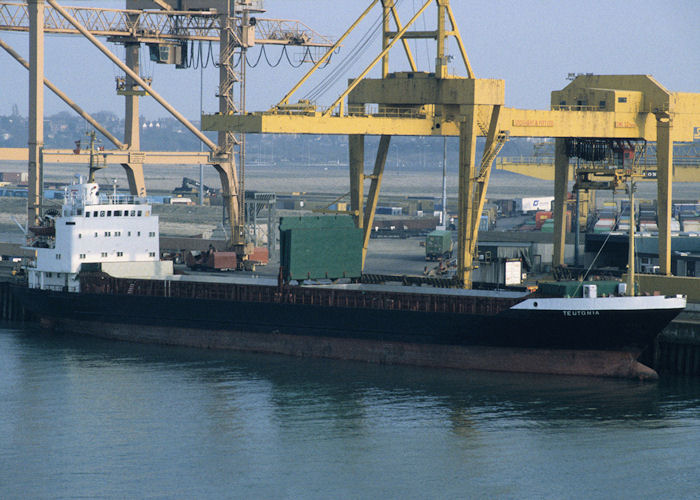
(286, 391)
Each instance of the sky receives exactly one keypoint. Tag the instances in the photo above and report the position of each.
(532, 45)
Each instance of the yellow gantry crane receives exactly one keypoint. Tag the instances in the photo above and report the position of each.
(414, 103)
(437, 103)
(409, 103)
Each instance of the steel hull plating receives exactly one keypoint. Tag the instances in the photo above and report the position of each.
(600, 343)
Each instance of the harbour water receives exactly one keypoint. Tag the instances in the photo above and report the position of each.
(91, 418)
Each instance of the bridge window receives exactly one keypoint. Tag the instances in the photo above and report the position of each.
(601, 104)
(87, 214)
(120, 254)
(139, 213)
(117, 213)
(94, 214)
(621, 99)
(82, 255)
(109, 213)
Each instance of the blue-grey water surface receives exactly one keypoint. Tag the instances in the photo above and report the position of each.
(91, 418)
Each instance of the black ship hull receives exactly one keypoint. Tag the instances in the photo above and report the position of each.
(582, 342)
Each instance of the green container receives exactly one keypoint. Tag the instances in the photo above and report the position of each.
(316, 222)
(438, 244)
(320, 247)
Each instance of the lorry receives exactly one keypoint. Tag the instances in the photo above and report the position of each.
(526, 205)
(438, 245)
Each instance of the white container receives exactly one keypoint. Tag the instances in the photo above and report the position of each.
(590, 291)
(534, 204)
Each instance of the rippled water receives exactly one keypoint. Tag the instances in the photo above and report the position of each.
(83, 417)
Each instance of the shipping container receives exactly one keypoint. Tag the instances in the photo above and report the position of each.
(389, 211)
(604, 226)
(320, 247)
(484, 223)
(14, 177)
(438, 245)
(260, 256)
(525, 205)
(691, 225)
(684, 209)
(547, 225)
(541, 217)
(505, 272)
(505, 208)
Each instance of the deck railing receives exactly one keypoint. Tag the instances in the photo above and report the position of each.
(322, 297)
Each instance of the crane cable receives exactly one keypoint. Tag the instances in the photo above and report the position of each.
(326, 83)
(350, 59)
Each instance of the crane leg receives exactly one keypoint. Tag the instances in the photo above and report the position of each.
(664, 176)
(229, 190)
(134, 174)
(356, 146)
(561, 182)
(465, 201)
(373, 195)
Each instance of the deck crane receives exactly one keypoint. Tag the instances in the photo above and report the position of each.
(437, 103)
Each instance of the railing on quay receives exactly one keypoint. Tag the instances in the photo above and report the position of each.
(385, 111)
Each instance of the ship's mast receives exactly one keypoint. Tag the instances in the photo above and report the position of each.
(95, 164)
(444, 182)
(630, 258)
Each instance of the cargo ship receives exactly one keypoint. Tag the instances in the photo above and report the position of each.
(97, 271)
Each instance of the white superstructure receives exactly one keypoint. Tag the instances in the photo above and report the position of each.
(93, 228)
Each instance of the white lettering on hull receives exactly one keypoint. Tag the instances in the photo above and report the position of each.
(581, 313)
